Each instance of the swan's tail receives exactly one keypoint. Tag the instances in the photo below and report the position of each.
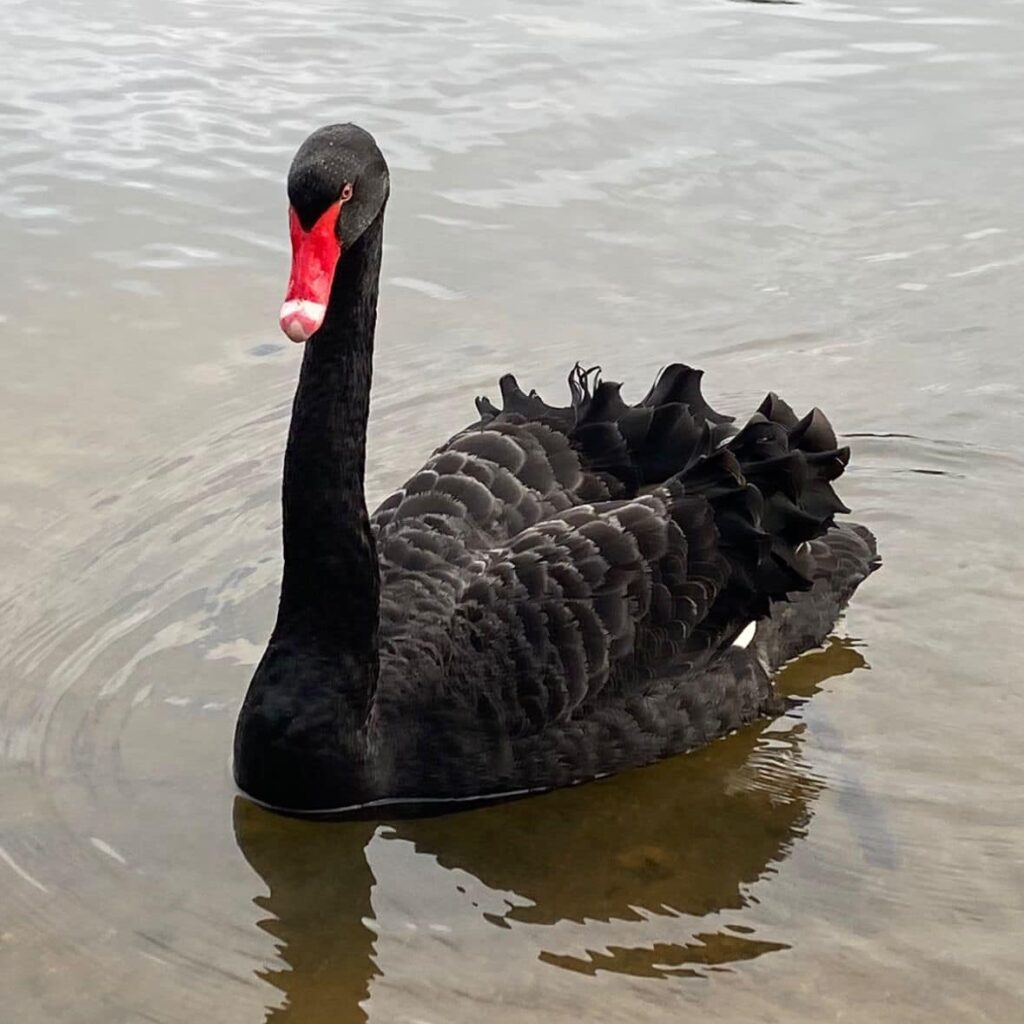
(770, 486)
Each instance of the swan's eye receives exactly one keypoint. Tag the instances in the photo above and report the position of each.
(346, 192)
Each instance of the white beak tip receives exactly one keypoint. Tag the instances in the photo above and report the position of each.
(301, 318)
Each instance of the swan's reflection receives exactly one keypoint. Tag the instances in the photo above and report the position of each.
(683, 837)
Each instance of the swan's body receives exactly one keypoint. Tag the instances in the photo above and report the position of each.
(560, 593)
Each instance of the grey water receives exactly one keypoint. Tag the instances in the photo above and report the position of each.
(824, 199)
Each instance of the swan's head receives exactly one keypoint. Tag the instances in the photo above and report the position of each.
(337, 185)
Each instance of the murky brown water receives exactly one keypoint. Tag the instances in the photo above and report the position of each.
(826, 199)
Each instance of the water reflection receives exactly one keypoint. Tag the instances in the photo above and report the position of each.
(684, 839)
(320, 884)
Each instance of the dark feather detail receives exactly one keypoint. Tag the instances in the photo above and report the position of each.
(722, 534)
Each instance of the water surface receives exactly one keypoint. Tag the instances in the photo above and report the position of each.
(823, 199)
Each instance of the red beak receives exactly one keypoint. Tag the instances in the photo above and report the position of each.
(315, 254)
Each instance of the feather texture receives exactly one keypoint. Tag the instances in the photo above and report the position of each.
(560, 586)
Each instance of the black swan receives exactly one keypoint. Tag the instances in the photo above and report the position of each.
(559, 594)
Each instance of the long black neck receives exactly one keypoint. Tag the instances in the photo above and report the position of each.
(330, 591)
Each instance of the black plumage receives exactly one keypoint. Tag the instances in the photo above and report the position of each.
(553, 597)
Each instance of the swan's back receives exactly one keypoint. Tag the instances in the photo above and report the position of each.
(562, 589)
